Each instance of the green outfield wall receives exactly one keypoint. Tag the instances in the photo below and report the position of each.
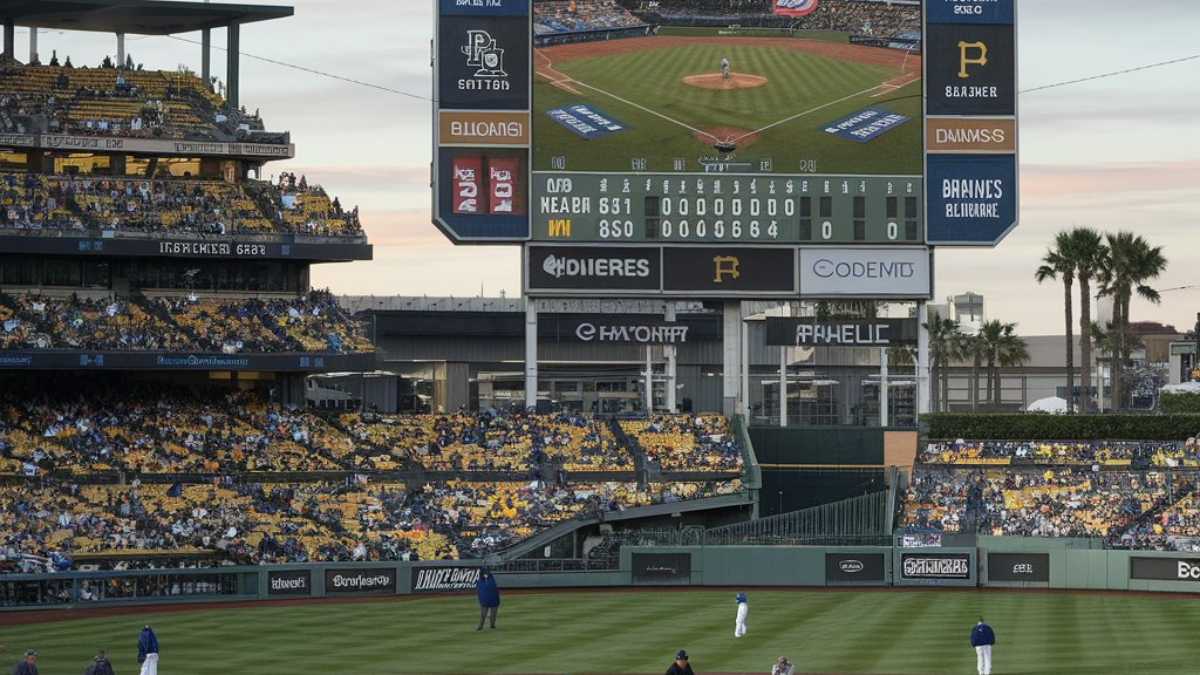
(996, 562)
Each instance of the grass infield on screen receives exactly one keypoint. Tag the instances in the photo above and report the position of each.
(667, 93)
(637, 631)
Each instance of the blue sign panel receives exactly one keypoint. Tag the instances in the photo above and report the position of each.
(484, 7)
(972, 199)
(969, 11)
(865, 124)
(585, 121)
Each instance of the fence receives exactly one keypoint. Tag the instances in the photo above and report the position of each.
(858, 521)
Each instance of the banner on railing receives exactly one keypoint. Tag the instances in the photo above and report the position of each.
(659, 568)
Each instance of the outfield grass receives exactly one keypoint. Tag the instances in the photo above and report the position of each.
(798, 82)
(901, 632)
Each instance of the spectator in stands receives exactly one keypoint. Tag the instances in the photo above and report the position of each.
(489, 597)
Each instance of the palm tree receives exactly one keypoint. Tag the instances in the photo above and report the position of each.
(1131, 262)
(1059, 262)
(944, 339)
(1088, 251)
(999, 343)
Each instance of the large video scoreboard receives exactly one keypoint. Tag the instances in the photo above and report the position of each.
(588, 123)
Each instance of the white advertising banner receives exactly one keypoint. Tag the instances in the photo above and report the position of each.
(866, 272)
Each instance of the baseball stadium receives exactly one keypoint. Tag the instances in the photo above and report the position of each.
(197, 444)
(698, 83)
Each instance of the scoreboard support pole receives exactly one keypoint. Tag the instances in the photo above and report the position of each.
(531, 353)
(731, 357)
(923, 384)
(670, 352)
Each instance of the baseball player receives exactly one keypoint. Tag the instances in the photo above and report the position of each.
(724, 69)
(739, 624)
(982, 639)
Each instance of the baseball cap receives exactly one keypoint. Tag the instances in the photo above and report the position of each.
(30, 652)
(682, 655)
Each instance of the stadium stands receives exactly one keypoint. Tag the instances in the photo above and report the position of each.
(35, 203)
(152, 473)
(313, 324)
(1129, 494)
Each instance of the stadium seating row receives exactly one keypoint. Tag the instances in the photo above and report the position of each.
(313, 323)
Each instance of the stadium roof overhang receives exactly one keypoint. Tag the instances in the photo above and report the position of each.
(140, 17)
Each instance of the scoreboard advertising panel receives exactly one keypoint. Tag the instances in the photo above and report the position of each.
(619, 123)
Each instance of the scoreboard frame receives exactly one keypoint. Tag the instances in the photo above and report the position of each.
(967, 193)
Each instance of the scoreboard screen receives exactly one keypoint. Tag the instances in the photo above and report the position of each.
(852, 123)
(728, 134)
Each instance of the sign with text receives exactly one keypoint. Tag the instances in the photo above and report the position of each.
(970, 60)
(866, 272)
(593, 268)
(1164, 569)
(443, 579)
(290, 582)
(935, 566)
(651, 332)
(662, 568)
(372, 580)
(854, 567)
(1019, 567)
(810, 332)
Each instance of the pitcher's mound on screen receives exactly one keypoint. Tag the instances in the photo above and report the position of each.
(735, 81)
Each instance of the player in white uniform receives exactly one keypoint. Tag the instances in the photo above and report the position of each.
(739, 624)
(724, 69)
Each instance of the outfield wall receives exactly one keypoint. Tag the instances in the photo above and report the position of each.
(996, 563)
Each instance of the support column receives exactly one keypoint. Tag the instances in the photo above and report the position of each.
(120, 49)
(883, 386)
(924, 383)
(206, 57)
(648, 404)
(731, 355)
(232, 66)
(10, 38)
(670, 352)
(33, 53)
(531, 353)
(783, 415)
(745, 369)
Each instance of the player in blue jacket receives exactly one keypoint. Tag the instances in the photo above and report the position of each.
(739, 623)
(982, 639)
(148, 651)
(489, 597)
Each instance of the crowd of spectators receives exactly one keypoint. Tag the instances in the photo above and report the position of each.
(687, 443)
(565, 16)
(33, 202)
(125, 101)
(875, 18)
(313, 323)
(1135, 454)
(100, 469)
(1130, 494)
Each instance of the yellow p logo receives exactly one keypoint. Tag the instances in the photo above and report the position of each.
(725, 266)
(963, 60)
